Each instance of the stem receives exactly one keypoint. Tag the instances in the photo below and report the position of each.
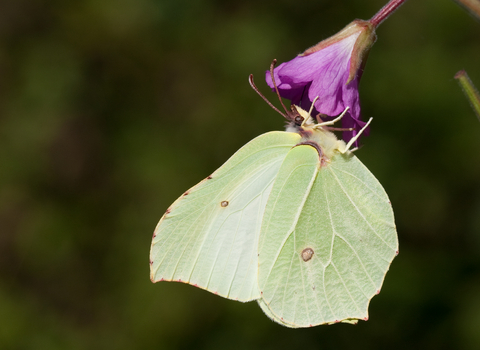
(469, 89)
(386, 11)
(472, 6)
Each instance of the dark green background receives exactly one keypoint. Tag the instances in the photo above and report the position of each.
(110, 109)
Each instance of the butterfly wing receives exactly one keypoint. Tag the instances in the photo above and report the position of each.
(209, 236)
(322, 259)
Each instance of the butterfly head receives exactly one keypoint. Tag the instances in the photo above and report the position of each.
(317, 133)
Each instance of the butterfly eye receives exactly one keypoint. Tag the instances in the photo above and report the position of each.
(299, 120)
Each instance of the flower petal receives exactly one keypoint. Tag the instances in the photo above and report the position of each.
(329, 73)
(326, 70)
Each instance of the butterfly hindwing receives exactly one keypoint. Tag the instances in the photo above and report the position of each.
(326, 263)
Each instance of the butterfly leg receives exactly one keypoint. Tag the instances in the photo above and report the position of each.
(331, 122)
(355, 138)
(312, 106)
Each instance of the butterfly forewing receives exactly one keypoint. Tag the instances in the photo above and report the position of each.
(209, 236)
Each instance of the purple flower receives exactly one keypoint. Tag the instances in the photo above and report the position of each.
(330, 70)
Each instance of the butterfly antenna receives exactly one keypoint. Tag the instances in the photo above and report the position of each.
(254, 87)
(272, 66)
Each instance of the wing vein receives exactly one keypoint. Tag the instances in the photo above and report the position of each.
(297, 217)
(346, 289)
(359, 211)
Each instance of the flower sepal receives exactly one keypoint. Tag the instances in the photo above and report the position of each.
(366, 37)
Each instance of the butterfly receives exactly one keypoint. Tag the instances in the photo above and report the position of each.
(292, 220)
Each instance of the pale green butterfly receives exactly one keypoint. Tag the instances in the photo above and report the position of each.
(293, 220)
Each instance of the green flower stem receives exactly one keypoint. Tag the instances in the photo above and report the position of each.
(470, 91)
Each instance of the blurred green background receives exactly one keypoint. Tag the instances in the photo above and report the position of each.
(109, 110)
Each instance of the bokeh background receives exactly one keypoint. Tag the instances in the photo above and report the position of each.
(109, 110)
